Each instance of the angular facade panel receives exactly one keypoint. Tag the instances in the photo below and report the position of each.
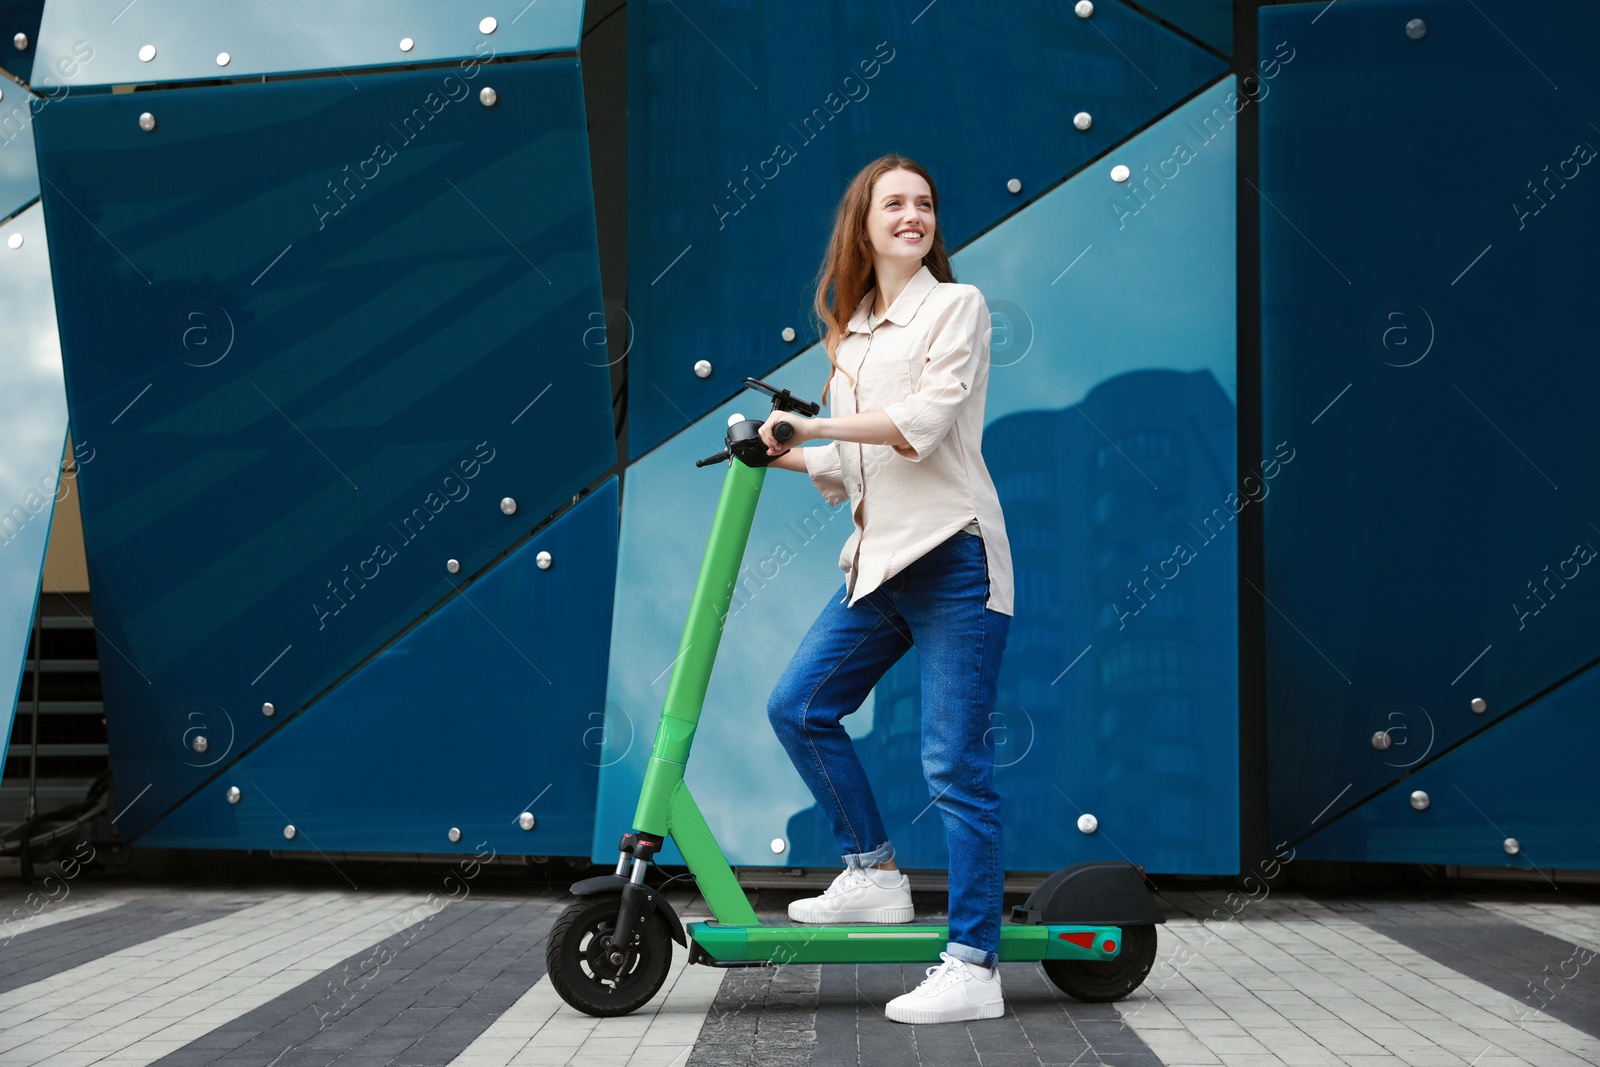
(19, 172)
(19, 34)
(488, 709)
(193, 40)
(739, 151)
(1516, 795)
(1423, 341)
(321, 334)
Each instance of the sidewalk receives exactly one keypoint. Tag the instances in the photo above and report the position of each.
(187, 975)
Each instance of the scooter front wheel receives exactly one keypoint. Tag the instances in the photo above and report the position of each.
(584, 965)
(1099, 981)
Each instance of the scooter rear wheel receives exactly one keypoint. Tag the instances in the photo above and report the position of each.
(1099, 981)
(580, 964)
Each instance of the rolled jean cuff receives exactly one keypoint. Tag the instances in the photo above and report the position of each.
(882, 854)
(968, 954)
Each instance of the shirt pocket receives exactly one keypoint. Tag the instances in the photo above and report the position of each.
(885, 380)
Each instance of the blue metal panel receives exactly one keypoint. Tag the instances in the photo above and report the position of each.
(187, 40)
(1209, 20)
(19, 171)
(33, 410)
(313, 367)
(1529, 777)
(739, 152)
(1422, 348)
(19, 33)
(1119, 704)
(491, 707)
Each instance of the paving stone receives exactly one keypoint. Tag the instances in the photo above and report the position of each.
(1289, 980)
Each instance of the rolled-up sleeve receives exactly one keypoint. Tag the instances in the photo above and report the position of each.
(958, 349)
(822, 464)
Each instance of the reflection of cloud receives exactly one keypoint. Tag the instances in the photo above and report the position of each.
(34, 395)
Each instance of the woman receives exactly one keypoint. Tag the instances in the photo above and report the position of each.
(928, 565)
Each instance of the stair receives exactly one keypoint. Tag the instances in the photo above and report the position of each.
(72, 750)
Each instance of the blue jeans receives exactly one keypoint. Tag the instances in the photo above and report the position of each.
(936, 604)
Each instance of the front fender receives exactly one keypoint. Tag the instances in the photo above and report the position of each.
(613, 883)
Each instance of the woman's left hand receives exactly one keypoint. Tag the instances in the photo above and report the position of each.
(804, 430)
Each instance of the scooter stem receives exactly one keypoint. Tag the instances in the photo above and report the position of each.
(665, 806)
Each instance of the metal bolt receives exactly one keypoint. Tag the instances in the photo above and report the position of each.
(788, 333)
(289, 832)
(778, 845)
(453, 566)
(1088, 823)
(14, 240)
(488, 25)
(1083, 120)
(1119, 173)
(407, 44)
(702, 368)
(147, 53)
(1416, 29)
(508, 506)
(1479, 705)
(1420, 801)
(1014, 186)
(543, 560)
(147, 122)
(487, 96)
(1381, 740)
(199, 744)
(223, 59)
(1512, 846)
(527, 821)
(454, 834)
(234, 794)
(21, 41)
(1083, 8)
(268, 710)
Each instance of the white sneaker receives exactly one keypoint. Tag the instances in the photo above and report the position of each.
(859, 896)
(952, 993)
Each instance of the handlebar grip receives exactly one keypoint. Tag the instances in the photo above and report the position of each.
(783, 431)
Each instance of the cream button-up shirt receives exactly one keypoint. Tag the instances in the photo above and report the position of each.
(926, 364)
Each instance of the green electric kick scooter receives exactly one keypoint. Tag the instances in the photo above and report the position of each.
(1091, 925)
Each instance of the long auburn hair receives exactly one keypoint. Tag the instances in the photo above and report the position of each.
(847, 271)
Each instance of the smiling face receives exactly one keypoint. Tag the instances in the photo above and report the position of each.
(900, 219)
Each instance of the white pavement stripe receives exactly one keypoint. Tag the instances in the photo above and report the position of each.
(541, 1029)
(136, 1005)
(50, 915)
(1293, 982)
(1578, 924)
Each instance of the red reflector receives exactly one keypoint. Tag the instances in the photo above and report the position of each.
(1111, 946)
(1081, 940)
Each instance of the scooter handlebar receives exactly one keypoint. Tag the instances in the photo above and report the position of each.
(745, 443)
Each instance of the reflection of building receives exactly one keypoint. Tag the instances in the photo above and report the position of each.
(1096, 498)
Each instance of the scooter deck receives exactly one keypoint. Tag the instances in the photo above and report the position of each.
(897, 943)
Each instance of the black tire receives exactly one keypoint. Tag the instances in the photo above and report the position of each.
(1100, 981)
(579, 964)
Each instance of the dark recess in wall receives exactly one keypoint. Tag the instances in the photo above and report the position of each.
(603, 53)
